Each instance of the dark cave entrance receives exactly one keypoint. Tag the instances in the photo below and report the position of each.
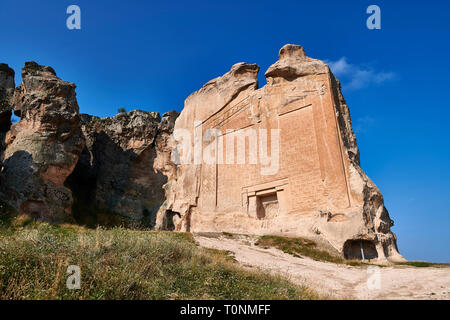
(170, 225)
(360, 250)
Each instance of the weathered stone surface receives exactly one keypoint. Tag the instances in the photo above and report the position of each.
(43, 147)
(122, 169)
(6, 93)
(281, 159)
(307, 183)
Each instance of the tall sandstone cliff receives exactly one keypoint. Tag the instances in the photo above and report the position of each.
(311, 184)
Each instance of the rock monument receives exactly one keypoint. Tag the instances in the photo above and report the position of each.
(281, 159)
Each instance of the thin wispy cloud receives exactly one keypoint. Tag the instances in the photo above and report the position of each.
(354, 77)
(362, 124)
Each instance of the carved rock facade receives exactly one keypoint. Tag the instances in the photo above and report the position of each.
(281, 159)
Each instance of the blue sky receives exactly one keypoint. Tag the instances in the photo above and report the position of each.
(152, 54)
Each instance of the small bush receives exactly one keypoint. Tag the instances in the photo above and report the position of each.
(121, 110)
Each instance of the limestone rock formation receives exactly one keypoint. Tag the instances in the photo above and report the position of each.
(43, 147)
(281, 159)
(123, 167)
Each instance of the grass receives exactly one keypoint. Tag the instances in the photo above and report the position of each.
(227, 234)
(124, 264)
(423, 264)
(299, 247)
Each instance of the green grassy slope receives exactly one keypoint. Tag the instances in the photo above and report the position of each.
(125, 264)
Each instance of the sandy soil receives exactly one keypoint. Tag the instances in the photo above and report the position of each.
(335, 280)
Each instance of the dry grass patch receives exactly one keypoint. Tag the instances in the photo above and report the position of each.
(125, 264)
(423, 264)
(299, 247)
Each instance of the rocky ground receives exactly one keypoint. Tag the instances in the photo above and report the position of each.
(337, 280)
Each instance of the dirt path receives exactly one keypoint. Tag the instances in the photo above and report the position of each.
(339, 281)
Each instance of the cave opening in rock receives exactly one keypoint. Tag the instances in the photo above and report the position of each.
(267, 206)
(5, 121)
(170, 224)
(360, 249)
(146, 213)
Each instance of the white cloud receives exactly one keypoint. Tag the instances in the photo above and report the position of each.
(362, 124)
(354, 77)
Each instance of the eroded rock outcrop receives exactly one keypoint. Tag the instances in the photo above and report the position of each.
(281, 159)
(43, 147)
(122, 169)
